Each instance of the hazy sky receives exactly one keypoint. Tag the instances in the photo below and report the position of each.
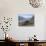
(26, 15)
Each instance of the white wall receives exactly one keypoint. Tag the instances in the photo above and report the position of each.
(11, 8)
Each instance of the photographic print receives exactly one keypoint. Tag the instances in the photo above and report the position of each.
(26, 20)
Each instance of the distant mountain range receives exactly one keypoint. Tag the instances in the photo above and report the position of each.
(21, 18)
